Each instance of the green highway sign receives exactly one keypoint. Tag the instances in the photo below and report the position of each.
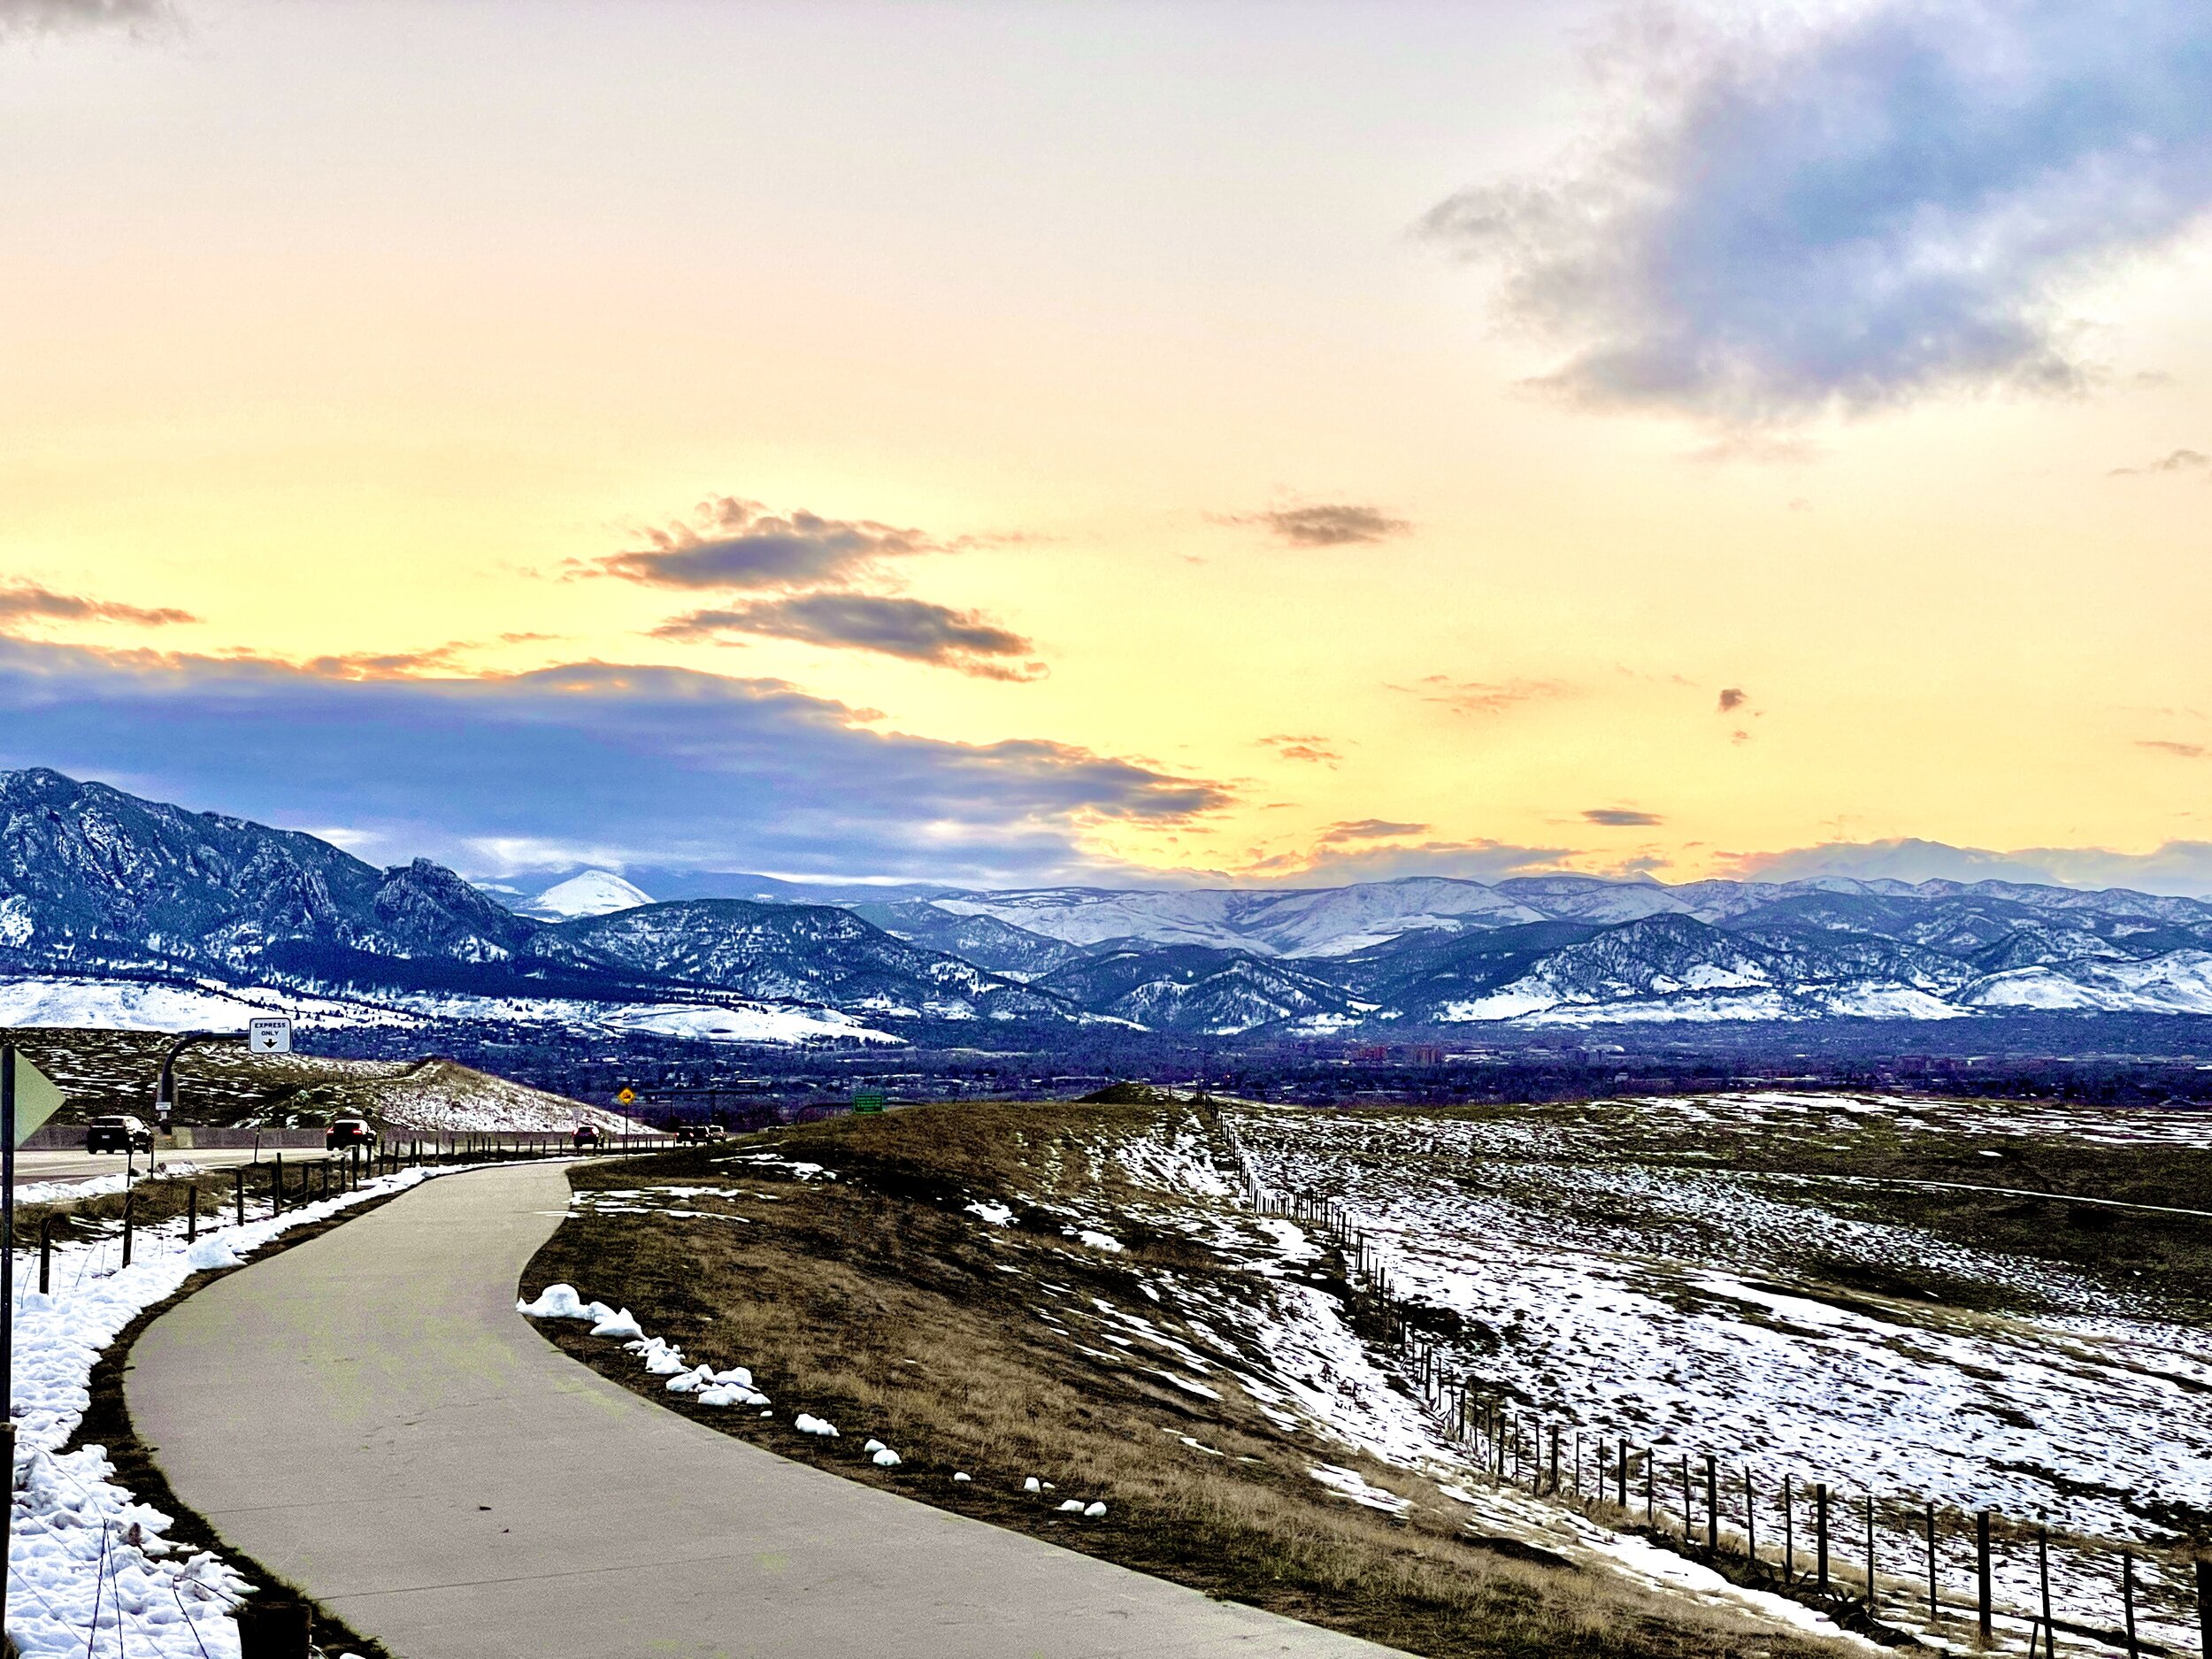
(867, 1100)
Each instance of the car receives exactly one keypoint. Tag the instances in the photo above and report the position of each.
(587, 1136)
(118, 1132)
(348, 1132)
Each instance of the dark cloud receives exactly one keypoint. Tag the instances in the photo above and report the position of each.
(1619, 817)
(1336, 524)
(26, 601)
(2173, 461)
(658, 765)
(1483, 696)
(2187, 751)
(740, 545)
(1856, 208)
(915, 629)
(1369, 829)
(1313, 749)
(1731, 697)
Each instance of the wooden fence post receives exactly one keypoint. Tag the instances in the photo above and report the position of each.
(1820, 1534)
(239, 1175)
(1789, 1532)
(1712, 1505)
(1687, 1517)
(2127, 1598)
(1750, 1519)
(2043, 1571)
(1981, 1570)
(1935, 1612)
(1620, 1488)
(191, 1212)
(1870, 1555)
(45, 1254)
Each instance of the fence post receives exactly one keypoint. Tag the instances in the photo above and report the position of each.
(1870, 1555)
(1712, 1505)
(2043, 1573)
(1554, 1486)
(2204, 1606)
(2127, 1598)
(1789, 1532)
(191, 1212)
(1750, 1519)
(45, 1254)
(1981, 1570)
(1620, 1474)
(1686, 1501)
(239, 1175)
(276, 1184)
(1651, 1508)
(1935, 1612)
(130, 1224)
(1820, 1534)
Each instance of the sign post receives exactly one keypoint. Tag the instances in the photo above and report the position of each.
(27, 1100)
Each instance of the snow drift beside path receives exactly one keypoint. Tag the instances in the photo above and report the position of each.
(89, 1569)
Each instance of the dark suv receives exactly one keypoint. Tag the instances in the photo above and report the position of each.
(348, 1132)
(118, 1133)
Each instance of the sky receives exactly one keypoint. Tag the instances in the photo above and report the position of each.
(1128, 444)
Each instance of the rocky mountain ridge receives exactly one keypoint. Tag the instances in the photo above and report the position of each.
(94, 881)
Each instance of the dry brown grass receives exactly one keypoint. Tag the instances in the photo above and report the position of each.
(875, 1300)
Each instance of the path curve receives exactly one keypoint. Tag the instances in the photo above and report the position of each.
(366, 1415)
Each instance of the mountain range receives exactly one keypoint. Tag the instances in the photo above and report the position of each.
(100, 884)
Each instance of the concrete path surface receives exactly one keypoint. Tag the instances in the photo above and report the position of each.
(366, 1415)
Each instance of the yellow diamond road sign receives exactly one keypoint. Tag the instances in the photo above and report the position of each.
(626, 1096)
(36, 1099)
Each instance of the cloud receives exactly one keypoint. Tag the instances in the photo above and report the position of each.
(2176, 867)
(55, 17)
(26, 601)
(2173, 461)
(1483, 696)
(1336, 524)
(1368, 829)
(738, 544)
(915, 629)
(1731, 697)
(1619, 817)
(665, 766)
(1313, 749)
(1850, 209)
(2187, 751)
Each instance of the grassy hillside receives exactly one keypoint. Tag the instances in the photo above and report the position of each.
(1070, 1294)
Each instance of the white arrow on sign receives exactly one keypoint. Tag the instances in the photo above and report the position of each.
(270, 1034)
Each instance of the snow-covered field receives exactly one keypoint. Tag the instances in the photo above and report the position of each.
(135, 1005)
(89, 1571)
(1604, 1280)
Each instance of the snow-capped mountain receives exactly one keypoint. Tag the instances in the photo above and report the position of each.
(816, 953)
(594, 893)
(1196, 988)
(90, 876)
(96, 883)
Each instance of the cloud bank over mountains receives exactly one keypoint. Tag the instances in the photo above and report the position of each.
(592, 761)
(1850, 211)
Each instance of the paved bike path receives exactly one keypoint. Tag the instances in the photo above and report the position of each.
(366, 1415)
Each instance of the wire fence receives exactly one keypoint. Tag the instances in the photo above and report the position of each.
(1907, 1562)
